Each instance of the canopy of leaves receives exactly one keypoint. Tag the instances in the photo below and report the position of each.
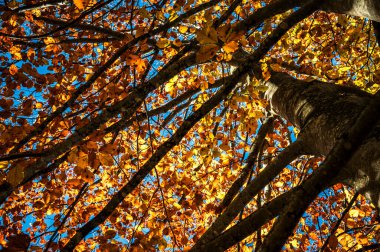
(122, 127)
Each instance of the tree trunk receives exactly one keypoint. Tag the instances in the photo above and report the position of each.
(324, 112)
(362, 8)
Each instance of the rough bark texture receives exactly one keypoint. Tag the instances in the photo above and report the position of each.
(324, 112)
(362, 8)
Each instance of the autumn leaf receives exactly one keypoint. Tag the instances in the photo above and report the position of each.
(73, 182)
(82, 160)
(106, 159)
(16, 175)
(110, 233)
(207, 36)
(333, 242)
(16, 52)
(231, 47)
(13, 69)
(3, 164)
(134, 124)
(136, 61)
(162, 43)
(18, 242)
(182, 29)
(87, 175)
(79, 4)
(206, 52)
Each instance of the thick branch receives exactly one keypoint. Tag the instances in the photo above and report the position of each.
(153, 161)
(340, 155)
(135, 99)
(274, 168)
(242, 199)
(104, 67)
(247, 226)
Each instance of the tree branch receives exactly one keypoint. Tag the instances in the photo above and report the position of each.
(238, 183)
(337, 224)
(339, 156)
(249, 225)
(251, 190)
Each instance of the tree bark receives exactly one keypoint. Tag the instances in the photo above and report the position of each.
(361, 8)
(324, 112)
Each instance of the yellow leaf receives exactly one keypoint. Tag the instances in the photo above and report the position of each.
(170, 87)
(294, 243)
(344, 69)
(346, 240)
(3, 164)
(134, 60)
(39, 105)
(15, 51)
(183, 29)
(207, 36)
(261, 88)
(231, 47)
(279, 184)
(49, 40)
(354, 213)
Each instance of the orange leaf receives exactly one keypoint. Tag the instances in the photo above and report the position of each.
(106, 159)
(73, 182)
(231, 47)
(13, 69)
(79, 4)
(134, 60)
(271, 150)
(82, 160)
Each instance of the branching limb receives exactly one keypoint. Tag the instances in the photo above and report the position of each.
(230, 83)
(376, 27)
(243, 198)
(40, 5)
(136, 97)
(275, 167)
(371, 247)
(339, 156)
(249, 225)
(108, 64)
(152, 162)
(238, 183)
(337, 224)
